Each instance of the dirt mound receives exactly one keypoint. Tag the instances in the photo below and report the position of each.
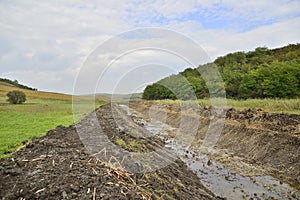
(57, 166)
(268, 140)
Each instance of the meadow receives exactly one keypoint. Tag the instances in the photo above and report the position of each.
(41, 112)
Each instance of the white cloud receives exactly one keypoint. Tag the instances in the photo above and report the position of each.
(51, 39)
(272, 36)
(264, 9)
(140, 48)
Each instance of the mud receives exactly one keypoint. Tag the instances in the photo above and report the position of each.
(262, 147)
(256, 157)
(58, 166)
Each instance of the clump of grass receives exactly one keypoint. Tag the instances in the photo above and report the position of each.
(131, 145)
(121, 143)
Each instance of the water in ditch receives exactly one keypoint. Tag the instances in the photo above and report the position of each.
(216, 177)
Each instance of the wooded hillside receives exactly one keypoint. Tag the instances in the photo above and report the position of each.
(262, 73)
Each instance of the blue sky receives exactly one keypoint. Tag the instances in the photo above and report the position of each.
(45, 43)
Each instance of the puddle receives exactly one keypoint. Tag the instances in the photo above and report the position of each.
(226, 184)
(126, 108)
(215, 176)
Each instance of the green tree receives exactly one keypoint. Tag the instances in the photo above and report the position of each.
(16, 97)
(279, 80)
(261, 73)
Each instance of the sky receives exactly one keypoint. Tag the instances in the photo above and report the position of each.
(49, 45)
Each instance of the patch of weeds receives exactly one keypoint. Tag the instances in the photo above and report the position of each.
(133, 144)
(121, 143)
(129, 144)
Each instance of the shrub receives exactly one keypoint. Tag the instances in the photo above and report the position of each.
(16, 97)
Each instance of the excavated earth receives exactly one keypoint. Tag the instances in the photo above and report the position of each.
(65, 163)
(58, 166)
(268, 141)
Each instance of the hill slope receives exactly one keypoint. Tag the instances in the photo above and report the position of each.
(6, 86)
(126, 97)
(41, 112)
(33, 94)
(262, 73)
(16, 84)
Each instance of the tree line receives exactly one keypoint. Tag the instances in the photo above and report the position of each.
(16, 84)
(262, 73)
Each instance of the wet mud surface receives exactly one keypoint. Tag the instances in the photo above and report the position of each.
(256, 155)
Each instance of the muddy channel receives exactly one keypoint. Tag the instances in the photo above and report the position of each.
(236, 180)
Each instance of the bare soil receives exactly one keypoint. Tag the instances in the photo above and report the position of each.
(58, 166)
(269, 141)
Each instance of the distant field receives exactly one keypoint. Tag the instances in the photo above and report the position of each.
(41, 112)
(40, 95)
(291, 106)
(30, 94)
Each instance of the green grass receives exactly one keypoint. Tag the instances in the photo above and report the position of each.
(291, 106)
(31, 120)
(131, 145)
(121, 143)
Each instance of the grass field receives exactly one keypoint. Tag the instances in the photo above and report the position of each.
(291, 106)
(41, 112)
